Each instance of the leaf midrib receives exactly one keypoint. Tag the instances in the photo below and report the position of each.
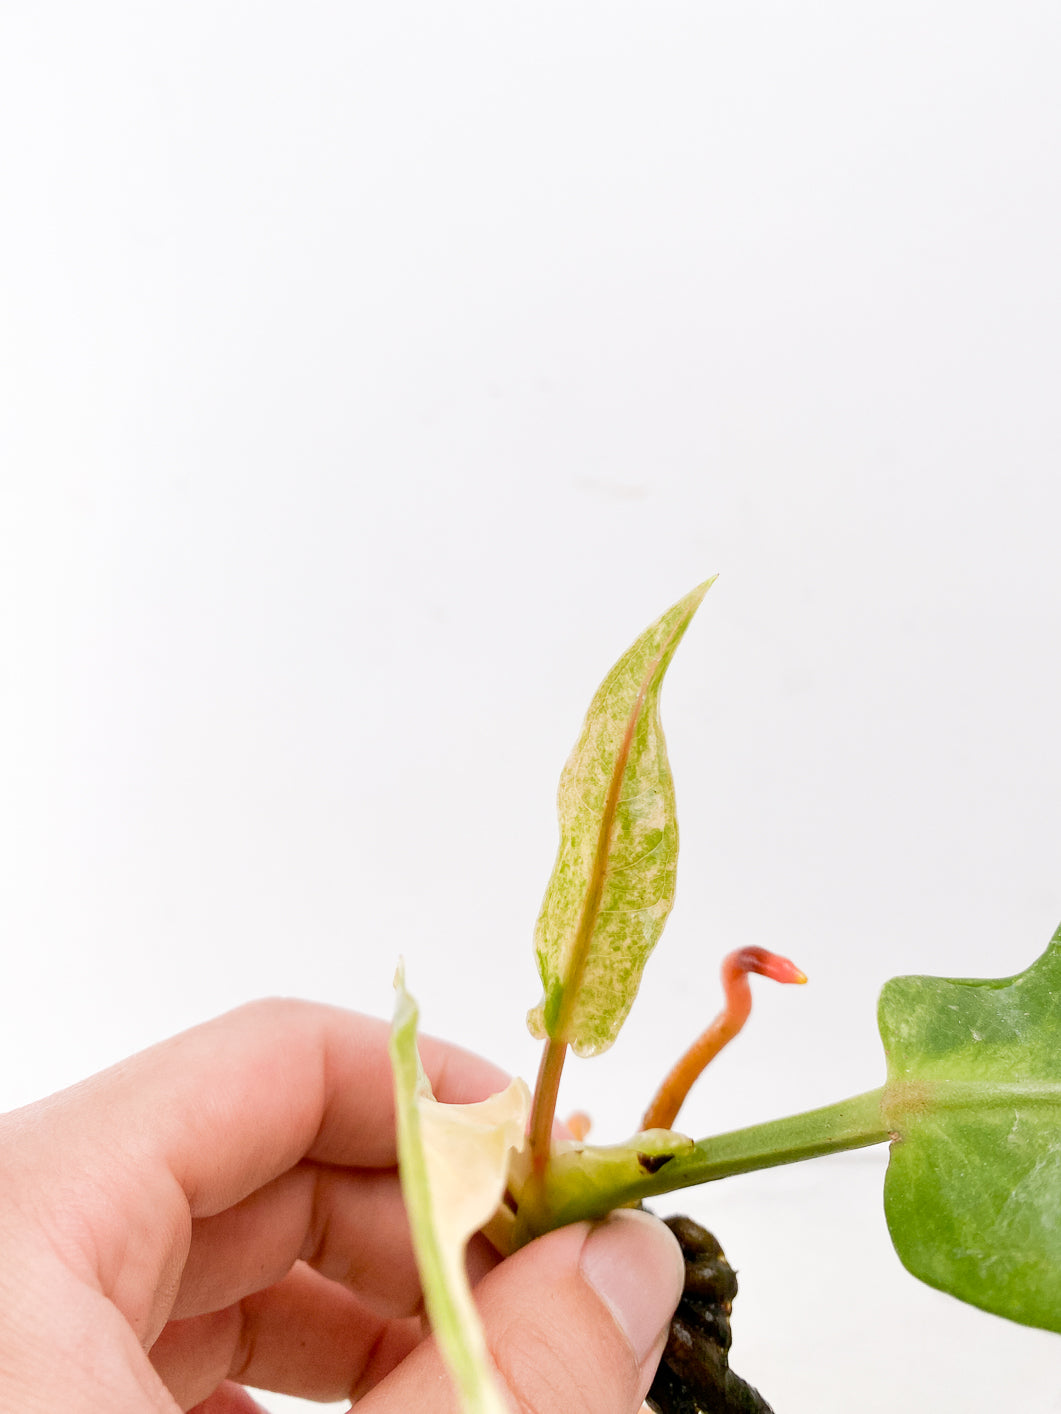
(930, 1095)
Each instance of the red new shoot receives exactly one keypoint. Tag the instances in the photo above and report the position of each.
(670, 1096)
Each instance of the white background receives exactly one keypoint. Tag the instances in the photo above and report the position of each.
(371, 376)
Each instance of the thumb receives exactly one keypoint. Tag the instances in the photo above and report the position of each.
(575, 1323)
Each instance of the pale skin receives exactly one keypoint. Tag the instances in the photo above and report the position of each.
(223, 1210)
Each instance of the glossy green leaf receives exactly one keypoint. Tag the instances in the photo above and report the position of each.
(453, 1161)
(973, 1191)
(612, 886)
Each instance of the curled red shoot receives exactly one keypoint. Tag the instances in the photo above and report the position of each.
(669, 1098)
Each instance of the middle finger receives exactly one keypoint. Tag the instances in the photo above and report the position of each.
(348, 1224)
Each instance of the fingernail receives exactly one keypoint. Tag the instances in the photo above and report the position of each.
(635, 1265)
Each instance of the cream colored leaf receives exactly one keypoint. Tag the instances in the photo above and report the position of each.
(454, 1162)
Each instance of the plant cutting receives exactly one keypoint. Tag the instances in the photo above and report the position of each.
(971, 1103)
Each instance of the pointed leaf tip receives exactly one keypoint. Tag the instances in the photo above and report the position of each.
(612, 885)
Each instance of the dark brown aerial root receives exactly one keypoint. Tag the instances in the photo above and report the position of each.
(694, 1375)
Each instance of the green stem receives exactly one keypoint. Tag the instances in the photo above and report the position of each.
(588, 1182)
(848, 1124)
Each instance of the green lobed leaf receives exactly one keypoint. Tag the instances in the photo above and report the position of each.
(973, 1099)
(453, 1161)
(612, 886)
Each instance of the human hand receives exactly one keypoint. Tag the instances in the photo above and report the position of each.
(224, 1210)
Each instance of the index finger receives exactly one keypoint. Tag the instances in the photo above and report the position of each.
(233, 1103)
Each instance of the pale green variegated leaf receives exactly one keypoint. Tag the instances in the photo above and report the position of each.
(613, 882)
(453, 1161)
